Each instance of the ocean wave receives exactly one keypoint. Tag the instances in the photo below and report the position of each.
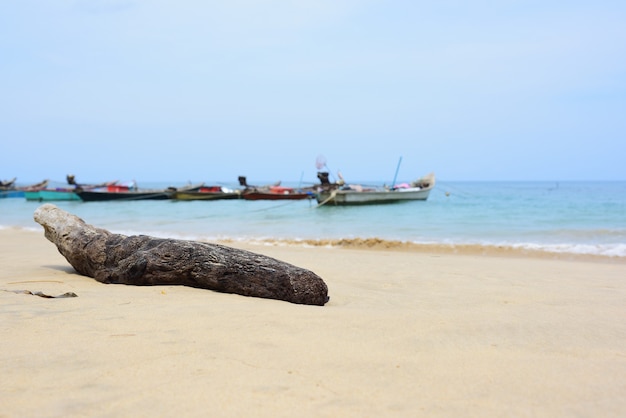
(21, 228)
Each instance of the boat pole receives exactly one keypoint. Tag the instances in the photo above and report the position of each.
(396, 175)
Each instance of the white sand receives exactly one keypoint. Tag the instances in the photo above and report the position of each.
(405, 334)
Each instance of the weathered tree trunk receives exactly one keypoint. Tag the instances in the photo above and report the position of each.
(144, 260)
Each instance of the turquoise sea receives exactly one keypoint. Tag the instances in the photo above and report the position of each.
(554, 217)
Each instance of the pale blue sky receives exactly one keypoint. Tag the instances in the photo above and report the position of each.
(207, 90)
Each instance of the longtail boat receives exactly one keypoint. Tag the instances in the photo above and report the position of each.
(9, 189)
(129, 194)
(274, 192)
(208, 193)
(351, 194)
(60, 193)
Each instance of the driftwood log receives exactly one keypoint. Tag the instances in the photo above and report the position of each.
(144, 260)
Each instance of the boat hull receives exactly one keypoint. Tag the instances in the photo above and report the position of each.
(99, 196)
(276, 196)
(50, 195)
(352, 197)
(11, 193)
(206, 195)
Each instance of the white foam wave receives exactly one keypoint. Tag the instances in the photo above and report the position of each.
(607, 250)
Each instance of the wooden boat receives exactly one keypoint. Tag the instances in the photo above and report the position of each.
(277, 193)
(48, 194)
(9, 189)
(123, 193)
(361, 195)
(208, 193)
(274, 192)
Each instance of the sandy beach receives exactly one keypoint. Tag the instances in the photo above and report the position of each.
(405, 334)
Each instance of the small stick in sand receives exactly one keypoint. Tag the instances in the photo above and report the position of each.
(144, 260)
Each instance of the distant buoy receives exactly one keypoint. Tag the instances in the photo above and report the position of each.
(447, 194)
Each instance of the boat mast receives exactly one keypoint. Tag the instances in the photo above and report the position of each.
(396, 175)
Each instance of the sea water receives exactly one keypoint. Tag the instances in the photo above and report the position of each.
(553, 217)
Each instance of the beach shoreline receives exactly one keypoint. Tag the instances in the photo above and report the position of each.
(407, 332)
(377, 244)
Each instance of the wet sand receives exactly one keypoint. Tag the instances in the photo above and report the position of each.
(406, 333)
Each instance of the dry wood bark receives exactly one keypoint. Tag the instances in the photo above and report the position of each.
(145, 260)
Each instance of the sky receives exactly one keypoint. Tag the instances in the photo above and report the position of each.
(203, 90)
